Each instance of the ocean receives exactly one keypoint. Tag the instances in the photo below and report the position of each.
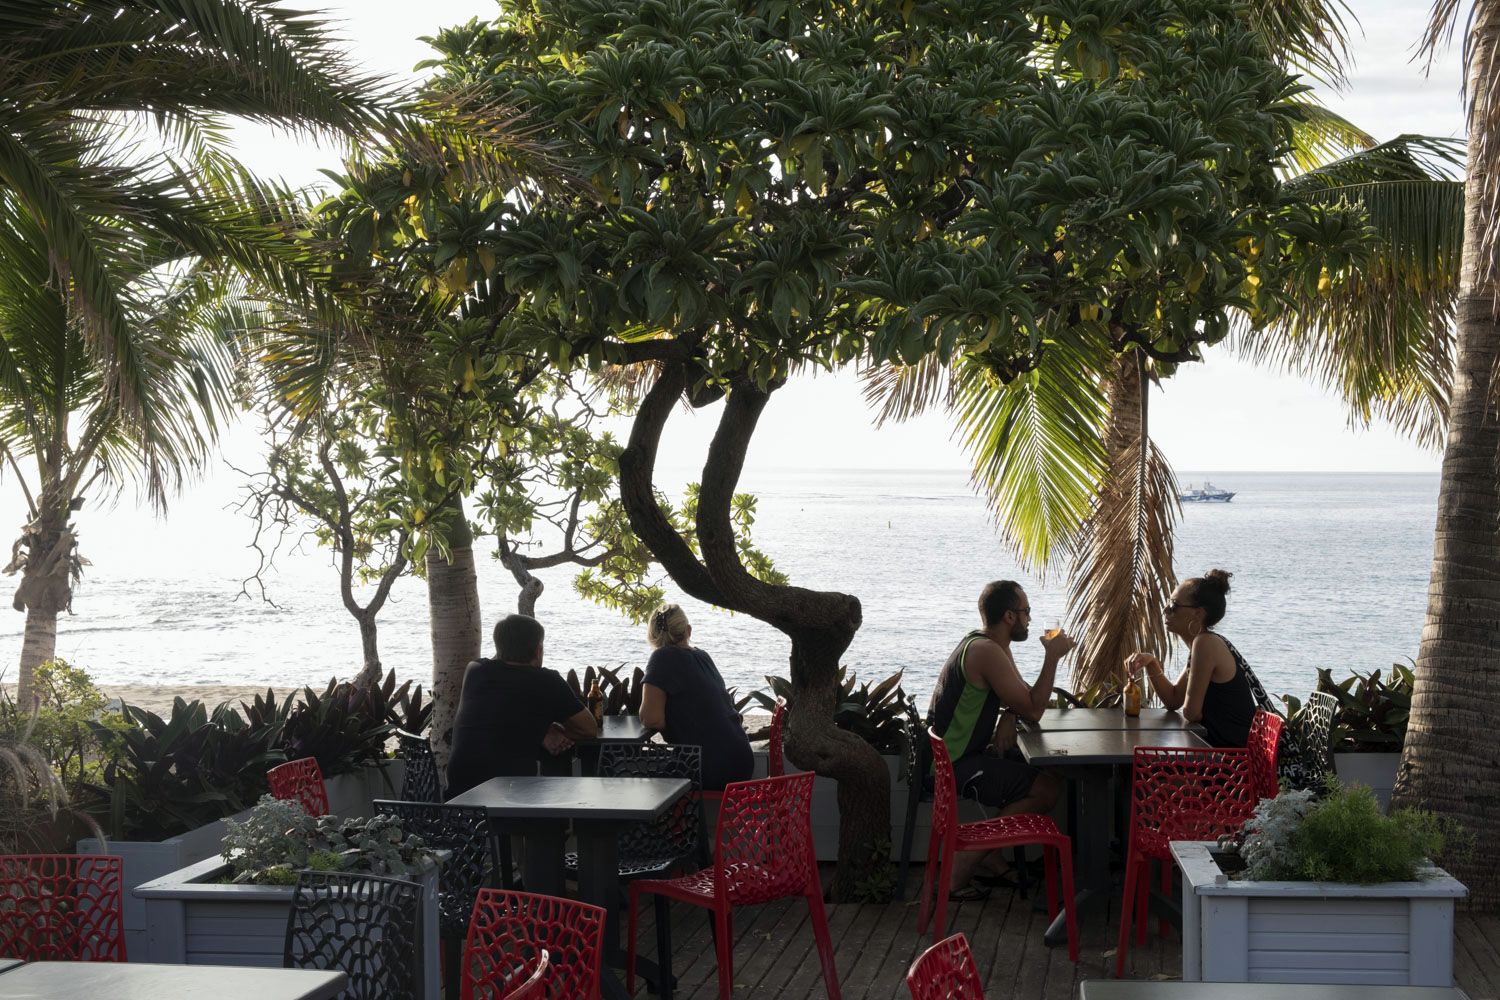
(1331, 570)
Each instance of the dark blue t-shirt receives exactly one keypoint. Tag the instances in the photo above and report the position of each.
(700, 713)
(503, 715)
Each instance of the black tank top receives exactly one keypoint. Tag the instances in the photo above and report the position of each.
(1228, 706)
(964, 715)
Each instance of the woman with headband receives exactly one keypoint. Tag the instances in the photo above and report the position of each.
(685, 698)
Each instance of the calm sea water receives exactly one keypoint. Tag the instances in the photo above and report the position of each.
(1330, 570)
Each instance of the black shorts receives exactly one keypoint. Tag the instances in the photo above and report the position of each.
(993, 779)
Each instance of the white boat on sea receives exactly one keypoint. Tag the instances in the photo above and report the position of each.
(1207, 493)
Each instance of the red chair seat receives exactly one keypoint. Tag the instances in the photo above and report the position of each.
(1010, 831)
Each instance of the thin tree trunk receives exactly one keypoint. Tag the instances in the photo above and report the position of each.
(820, 624)
(1451, 760)
(531, 585)
(453, 605)
(371, 673)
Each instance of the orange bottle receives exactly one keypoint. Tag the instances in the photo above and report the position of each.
(1132, 696)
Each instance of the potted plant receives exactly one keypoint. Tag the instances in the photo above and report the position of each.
(1322, 890)
(232, 909)
(1369, 728)
(166, 785)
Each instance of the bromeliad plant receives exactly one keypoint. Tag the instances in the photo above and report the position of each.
(621, 697)
(1372, 713)
(279, 838)
(878, 715)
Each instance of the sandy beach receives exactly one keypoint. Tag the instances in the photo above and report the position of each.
(158, 698)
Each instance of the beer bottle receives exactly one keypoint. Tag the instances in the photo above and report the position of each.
(1132, 696)
(596, 703)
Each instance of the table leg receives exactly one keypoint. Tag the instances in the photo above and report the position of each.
(599, 883)
(1091, 845)
(542, 857)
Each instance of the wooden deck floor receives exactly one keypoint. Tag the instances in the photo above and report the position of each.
(874, 944)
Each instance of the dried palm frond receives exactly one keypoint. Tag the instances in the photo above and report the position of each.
(1123, 575)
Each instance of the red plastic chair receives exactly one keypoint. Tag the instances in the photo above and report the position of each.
(61, 908)
(775, 759)
(1265, 740)
(509, 930)
(764, 852)
(949, 835)
(301, 781)
(1177, 793)
(945, 972)
(534, 988)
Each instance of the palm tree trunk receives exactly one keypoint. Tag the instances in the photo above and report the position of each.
(48, 562)
(1119, 585)
(453, 609)
(1450, 760)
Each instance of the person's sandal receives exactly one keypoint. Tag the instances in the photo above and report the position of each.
(970, 893)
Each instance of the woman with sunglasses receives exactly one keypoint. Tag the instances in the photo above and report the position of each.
(1218, 687)
(684, 697)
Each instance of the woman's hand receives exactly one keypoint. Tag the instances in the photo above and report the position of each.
(1142, 661)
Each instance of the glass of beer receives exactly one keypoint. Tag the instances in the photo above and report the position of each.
(1053, 630)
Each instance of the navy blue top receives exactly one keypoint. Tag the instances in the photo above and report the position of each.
(699, 713)
(503, 716)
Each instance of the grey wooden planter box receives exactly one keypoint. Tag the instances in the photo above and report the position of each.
(193, 920)
(1395, 933)
(1376, 771)
(147, 860)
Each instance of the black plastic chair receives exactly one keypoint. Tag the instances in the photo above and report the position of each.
(1316, 738)
(472, 857)
(366, 926)
(421, 783)
(652, 850)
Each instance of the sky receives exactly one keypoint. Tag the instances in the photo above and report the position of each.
(1220, 416)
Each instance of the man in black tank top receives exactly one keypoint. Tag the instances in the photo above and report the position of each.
(978, 698)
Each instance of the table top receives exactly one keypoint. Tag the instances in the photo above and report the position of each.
(1058, 720)
(1098, 746)
(548, 797)
(620, 729)
(1117, 989)
(145, 981)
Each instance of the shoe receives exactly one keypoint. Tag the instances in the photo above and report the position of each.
(971, 893)
(1004, 880)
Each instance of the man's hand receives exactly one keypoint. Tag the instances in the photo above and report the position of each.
(556, 741)
(1059, 645)
(1005, 732)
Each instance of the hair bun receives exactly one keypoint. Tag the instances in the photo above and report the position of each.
(1218, 579)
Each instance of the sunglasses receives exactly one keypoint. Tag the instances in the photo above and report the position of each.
(1021, 611)
(1178, 606)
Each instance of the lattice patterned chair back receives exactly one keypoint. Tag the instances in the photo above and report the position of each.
(366, 926)
(462, 831)
(675, 833)
(1180, 793)
(775, 756)
(61, 908)
(301, 781)
(510, 931)
(535, 987)
(1265, 737)
(1317, 737)
(764, 840)
(945, 972)
(420, 783)
(944, 795)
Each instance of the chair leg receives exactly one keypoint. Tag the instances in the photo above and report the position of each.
(1049, 856)
(1070, 901)
(1127, 909)
(1023, 877)
(908, 834)
(630, 936)
(663, 946)
(940, 894)
(825, 944)
(929, 875)
(724, 949)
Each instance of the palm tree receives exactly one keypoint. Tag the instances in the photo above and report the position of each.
(1449, 761)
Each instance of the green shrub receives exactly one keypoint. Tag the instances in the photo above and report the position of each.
(879, 715)
(278, 837)
(1341, 837)
(1372, 712)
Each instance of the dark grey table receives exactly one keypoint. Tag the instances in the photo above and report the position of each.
(540, 809)
(1116, 989)
(145, 981)
(1070, 719)
(1088, 757)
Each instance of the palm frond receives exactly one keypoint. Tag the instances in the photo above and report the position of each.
(1309, 36)
(899, 391)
